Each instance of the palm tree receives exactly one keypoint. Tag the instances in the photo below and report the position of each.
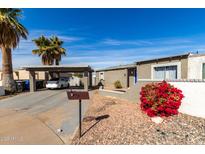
(44, 50)
(50, 50)
(11, 31)
(58, 50)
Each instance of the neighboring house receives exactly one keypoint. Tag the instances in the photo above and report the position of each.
(21, 74)
(126, 74)
(185, 66)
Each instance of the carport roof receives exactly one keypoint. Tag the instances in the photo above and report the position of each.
(59, 68)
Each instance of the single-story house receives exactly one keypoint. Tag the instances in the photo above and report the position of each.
(21, 74)
(126, 74)
(185, 66)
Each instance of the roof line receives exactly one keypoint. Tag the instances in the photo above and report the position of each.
(163, 58)
(117, 67)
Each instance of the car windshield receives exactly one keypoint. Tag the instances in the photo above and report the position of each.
(54, 79)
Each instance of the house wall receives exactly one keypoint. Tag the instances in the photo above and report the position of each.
(24, 75)
(184, 68)
(132, 94)
(145, 70)
(111, 76)
(195, 67)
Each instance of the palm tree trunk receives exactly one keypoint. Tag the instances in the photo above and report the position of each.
(7, 70)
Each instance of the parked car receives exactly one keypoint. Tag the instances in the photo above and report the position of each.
(56, 83)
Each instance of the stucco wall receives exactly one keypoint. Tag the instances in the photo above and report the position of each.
(24, 75)
(193, 103)
(113, 75)
(145, 70)
(132, 94)
(195, 67)
(184, 68)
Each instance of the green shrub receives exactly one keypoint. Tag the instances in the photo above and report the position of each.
(118, 84)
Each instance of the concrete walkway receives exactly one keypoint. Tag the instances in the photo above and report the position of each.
(33, 118)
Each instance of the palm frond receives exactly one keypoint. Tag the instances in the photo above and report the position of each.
(11, 30)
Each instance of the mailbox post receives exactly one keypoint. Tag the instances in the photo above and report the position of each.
(80, 114)
(78, 95)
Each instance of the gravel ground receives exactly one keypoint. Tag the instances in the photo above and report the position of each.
(114, 121)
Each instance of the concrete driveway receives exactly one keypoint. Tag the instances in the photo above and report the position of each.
(33, 118)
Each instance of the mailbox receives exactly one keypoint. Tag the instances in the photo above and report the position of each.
(78, 95)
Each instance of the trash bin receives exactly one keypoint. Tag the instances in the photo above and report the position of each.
(39, 84)
(20, 86)
(27, 85)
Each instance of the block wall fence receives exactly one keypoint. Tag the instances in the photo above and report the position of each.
(193, 90)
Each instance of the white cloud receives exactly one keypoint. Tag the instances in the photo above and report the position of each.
(48, 33)
(107, 52)
(125, 42)
(147, 42)
(69, 38)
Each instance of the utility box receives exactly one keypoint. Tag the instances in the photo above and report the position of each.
(2, 91)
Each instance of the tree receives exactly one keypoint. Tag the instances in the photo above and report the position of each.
(50, 50)
(58, 50)
(11, 31)
(45, 50)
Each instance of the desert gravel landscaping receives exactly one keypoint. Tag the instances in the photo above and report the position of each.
(114, 121)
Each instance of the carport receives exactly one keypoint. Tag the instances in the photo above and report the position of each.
(49, 70)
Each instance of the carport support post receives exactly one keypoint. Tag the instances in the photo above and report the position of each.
(85, 80)
(90, 79)
(50, 74)
(32, 81)
(46, 76)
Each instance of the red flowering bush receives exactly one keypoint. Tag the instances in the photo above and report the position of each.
(160, 99)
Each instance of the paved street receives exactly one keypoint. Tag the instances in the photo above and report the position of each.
(33, 118)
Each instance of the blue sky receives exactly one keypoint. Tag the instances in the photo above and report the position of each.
(108, 37)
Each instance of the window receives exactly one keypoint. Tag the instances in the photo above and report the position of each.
(165, 72)
(62, 79)
(203, 71)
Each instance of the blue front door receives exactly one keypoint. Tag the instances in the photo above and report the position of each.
(135, 76)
